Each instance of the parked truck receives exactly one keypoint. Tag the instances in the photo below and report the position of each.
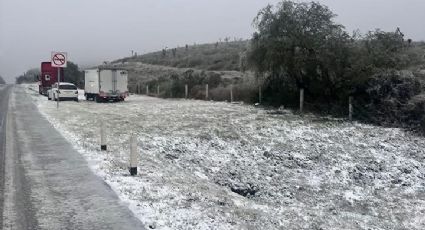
(106, 84)
(48, 76)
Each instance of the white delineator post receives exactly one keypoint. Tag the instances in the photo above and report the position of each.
(301, 100)
(102, 136)
(260, 99)
(133, 156)
(186, 91)
(350, 108)
(157, 90)
(231, 93)
(206, 92)
(147, 90)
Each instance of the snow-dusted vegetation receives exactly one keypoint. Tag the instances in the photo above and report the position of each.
(216, 165)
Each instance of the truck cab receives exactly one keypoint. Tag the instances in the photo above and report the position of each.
(48, 76)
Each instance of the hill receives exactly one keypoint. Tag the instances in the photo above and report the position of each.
(219, 65)
(172, 80)
(220, 56)
(2, 80)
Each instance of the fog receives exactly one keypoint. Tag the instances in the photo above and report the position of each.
(104, 30)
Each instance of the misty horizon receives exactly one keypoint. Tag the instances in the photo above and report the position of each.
(29, 30)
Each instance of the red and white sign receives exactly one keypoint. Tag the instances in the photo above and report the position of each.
(59, 59)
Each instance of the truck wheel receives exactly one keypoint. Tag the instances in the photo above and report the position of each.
(76, 99)
(97, 99)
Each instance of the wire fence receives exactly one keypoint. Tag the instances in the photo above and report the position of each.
(360, 110)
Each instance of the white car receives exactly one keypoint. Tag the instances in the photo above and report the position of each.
(65, 91)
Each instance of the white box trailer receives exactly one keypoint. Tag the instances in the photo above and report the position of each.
(106, 84)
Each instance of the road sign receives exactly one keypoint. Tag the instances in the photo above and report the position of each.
(59, 59)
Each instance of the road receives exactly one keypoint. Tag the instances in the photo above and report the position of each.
(45, 183)
(4, 99)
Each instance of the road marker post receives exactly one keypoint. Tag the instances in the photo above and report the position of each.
(206, 92)
(260, 98)
(350, 108)
(186, 91)
(147, 90)
(231, 93)
(157, 91)
(133, 156)
(103, 146)
(301, 100)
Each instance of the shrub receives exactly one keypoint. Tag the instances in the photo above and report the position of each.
(390, 98)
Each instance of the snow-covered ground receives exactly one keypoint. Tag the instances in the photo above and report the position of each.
(215, 165)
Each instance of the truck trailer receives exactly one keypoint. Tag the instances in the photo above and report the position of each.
(48, 76)
(106, 84)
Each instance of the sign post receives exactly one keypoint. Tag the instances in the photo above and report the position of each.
(59, 60)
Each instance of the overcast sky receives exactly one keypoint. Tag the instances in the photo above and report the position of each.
(92, 31)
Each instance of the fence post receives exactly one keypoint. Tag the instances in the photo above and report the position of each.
(147, 90)
(350, 108)
(231, 93)
(102, 136)
(186, 91)
(206, 92)
(260, 99)
(157, 91)
(133, 156)
(301, 100)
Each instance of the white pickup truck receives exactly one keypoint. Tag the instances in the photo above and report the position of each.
(106, 84)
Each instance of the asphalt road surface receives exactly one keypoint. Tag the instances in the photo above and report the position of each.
(4, 99)
(44, 182)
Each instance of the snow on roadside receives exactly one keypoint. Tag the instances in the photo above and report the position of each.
(213, 165)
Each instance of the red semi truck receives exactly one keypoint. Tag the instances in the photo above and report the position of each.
(49, 76)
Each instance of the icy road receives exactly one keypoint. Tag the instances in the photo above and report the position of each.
(214, 165)
(45, 183)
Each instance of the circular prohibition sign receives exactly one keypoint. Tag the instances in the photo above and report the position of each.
(59, 59)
